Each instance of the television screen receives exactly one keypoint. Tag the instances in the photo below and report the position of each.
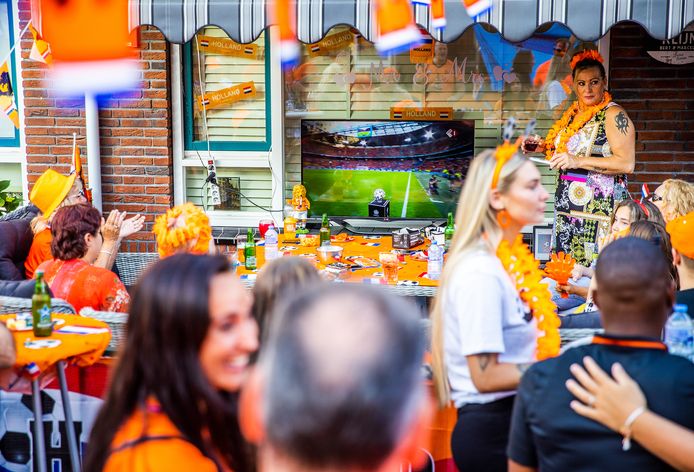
(420, 166)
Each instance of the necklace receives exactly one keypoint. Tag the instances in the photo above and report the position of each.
(526, 276)
(570, 123)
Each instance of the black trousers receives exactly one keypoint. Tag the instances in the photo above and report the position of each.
(480, 436)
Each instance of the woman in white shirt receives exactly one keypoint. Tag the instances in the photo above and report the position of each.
(484, 335)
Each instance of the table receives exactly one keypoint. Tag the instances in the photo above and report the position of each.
(82, 349)
(411, 275)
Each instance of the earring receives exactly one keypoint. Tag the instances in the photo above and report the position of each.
(503, 218)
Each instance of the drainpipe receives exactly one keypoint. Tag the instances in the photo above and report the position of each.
(91, 108)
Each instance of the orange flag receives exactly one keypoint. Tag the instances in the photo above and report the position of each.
(396, 29)
(40, 49)
(77, 168)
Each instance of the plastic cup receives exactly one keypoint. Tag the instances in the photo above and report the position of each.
(389, 264)
(241, 247)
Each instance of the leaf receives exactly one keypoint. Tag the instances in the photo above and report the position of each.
(2, 202)
(4, 184)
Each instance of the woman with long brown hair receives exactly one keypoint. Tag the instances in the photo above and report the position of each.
(172, 399)
(489, 309)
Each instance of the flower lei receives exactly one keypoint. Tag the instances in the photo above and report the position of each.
(526, 276)
(183, 227)
(570, 123)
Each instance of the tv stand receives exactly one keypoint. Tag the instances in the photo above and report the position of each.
(369, 226)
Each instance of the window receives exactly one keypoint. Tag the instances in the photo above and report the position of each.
(234, 78)
(11, 159)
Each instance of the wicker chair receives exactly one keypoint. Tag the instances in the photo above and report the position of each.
(14, 305)
(132, 264)
(116, 321)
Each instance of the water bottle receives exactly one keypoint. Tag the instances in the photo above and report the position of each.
(435, 261)
(679, 333)
(271, 251)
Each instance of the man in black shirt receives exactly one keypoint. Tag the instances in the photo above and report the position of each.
(681, 232)
(635, 296)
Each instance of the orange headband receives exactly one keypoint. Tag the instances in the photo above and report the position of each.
(586, 54)
(503, 154)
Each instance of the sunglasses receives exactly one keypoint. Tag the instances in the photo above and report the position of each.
(654, 198)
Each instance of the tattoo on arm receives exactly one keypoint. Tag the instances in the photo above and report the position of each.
(622, 122)
(483, 360)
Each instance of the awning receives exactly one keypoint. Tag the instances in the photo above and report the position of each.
(516, 20)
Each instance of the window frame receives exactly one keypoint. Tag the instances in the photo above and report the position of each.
(13, 142)
(190, 144)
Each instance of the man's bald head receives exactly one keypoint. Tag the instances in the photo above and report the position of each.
(342, 377)
(634, 283)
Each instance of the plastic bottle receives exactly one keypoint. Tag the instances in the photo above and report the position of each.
(271, 251)
(679, 333)
(435, 262)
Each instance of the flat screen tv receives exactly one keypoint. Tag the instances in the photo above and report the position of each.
(419, 165)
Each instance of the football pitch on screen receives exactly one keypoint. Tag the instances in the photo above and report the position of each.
(342, 192)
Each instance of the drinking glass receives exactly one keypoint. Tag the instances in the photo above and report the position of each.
(232, 255)
(263, 226)
(389, 264)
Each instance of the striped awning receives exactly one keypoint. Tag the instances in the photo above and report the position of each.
(516, 20)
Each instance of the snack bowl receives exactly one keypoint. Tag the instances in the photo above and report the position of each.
(329, 254)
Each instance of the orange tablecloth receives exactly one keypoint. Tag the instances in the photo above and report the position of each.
(410, 270)
(79, 349)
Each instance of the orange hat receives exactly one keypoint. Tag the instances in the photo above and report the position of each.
(50, 190)
(681, 231)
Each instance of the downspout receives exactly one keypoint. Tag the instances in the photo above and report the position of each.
(91, 108)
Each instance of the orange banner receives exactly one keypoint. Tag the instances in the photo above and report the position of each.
(423, 54)
(228, 95)
(330, 43)
(417, 114)
(227, 47)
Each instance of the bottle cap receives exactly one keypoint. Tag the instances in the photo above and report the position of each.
(681, 308)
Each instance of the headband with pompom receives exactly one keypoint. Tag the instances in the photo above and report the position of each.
(587, 54)
(505, 151)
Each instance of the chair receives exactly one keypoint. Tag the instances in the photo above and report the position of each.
(115, 320)
(132, 264)
(13, 305)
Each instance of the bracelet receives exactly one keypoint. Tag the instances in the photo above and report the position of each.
(625, 430)
(107, 252)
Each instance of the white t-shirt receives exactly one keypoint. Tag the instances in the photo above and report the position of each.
(483, 314)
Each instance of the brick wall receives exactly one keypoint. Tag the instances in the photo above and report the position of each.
(136, 156)
(660, 100)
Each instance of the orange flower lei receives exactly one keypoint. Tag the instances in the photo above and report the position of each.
(526, 275)
(182, 228)
(577, 121)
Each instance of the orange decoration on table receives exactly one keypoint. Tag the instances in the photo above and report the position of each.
(559, 268)
(526, 276)
(570, 123)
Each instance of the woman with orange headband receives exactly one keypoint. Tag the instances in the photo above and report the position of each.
(592, 145)
(492, 316)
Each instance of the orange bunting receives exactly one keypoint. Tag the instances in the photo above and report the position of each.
(586, 54)
(570, 123)
(438, 14)
(477, 7)
(397, 31)
(526, 276)
(285, 19)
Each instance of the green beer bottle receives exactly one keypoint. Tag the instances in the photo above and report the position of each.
(41, 308)
(325, 231)
(249, 251)
(449, 231)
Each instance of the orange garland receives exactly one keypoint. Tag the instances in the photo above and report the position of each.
(577, 121)
(526, 275)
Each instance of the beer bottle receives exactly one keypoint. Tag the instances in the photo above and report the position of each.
(249, 251)
(325, 231)
(449, 231)
(41, 308)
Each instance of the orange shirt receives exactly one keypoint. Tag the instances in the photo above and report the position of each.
(148, 442)
(541, 77)
(40, 252)
(82, 284)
